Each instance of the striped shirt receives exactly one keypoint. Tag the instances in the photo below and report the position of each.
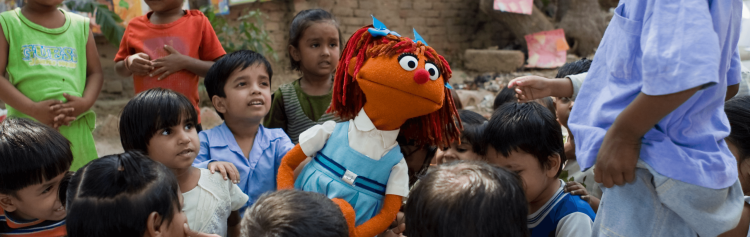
(35, 228)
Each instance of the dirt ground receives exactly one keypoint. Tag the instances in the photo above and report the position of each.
(117, 91)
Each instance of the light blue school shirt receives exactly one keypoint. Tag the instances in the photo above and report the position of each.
(258, 172)
(662, 47)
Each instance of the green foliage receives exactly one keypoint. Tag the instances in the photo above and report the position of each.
(564, 177)
(246, 35)
(107, 19)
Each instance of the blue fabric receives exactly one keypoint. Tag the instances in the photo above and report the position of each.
(655, 205)
(317, 178)
(562, 205)
(658, 48)
(257, 173)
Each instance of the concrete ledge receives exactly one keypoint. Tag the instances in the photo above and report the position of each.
(492, 60)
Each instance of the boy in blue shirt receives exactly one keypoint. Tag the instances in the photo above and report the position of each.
(239, 85)
(526, 139)
(651, 111)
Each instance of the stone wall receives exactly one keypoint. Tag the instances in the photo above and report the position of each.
(449, 26)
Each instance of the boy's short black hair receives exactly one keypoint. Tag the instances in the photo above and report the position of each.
(738, 114)
(30, 153)
(114, 196)
(295, 213)
(151, 111)
(573, 68)
(473, 129)
(528, 127)
(467, 198)
(506, 95)
(219, 73)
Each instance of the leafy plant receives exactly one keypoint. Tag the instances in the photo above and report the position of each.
(109, 21)
(249, 34)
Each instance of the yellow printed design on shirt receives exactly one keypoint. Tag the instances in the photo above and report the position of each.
(43, 55)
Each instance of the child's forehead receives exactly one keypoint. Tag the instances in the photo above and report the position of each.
(255, 70)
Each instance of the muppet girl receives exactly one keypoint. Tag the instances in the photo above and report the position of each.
(385, 84)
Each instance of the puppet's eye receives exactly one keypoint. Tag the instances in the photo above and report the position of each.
(408, 62)
(433, 70)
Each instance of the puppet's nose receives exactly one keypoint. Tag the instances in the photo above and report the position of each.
(421, 76)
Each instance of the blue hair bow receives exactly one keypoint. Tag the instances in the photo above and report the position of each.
(418, 37)
(379, 29)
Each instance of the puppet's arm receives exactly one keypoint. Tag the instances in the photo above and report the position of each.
(349, 214)
(292, 159)
(379, 223)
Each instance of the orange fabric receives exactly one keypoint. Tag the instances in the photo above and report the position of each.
(292, 159)
(349, 215)
(38, 228)
(191, 35)
(380, 222)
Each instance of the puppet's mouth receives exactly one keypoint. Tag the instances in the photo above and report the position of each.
(403, 91)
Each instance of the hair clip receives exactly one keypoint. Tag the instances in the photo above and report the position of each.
(418, 37)
(448, 85)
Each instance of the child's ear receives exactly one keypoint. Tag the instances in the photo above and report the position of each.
(6, 202)
(153, 225)
(296, 56)
(553, 165)
(219, 104)
(352, 66)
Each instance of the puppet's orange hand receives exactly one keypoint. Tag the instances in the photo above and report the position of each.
(349, 215)
(379, 223)
(292, 159)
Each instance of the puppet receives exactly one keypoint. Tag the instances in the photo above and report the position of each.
(385, 84)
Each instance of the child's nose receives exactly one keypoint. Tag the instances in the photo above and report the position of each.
(421, 76)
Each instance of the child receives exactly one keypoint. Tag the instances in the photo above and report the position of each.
(239, 85)
(526, 139)
(161, 123)
(467, 198)
(135, 188)
(314, 40)
(658, 116)
(738, 141)
(168, 48)
(471, 146)
(54, 72)
(295, 213)
(34, 159)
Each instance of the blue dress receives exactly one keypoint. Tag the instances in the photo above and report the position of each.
(338, 171)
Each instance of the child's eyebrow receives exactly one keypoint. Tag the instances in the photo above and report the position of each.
(313, 39)
(240, 78)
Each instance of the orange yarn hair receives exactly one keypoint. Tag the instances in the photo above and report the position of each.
(439, 128)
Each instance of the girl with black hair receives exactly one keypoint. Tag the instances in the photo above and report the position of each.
(470, 147)
(314, 49)
(126, 194)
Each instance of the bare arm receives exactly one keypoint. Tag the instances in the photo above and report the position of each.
(94, 76)
(176, 61)
(620, 149)
(536, 87)
(732, 91)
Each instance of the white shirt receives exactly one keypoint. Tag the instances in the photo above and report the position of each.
(208, 205)
(365, 139)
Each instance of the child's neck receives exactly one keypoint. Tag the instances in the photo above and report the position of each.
(315, 85)
(166, 17)
(549, 192)
(187, 178)
(46, 16)
(244, 131)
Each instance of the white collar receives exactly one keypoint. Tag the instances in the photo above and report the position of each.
(363, 123)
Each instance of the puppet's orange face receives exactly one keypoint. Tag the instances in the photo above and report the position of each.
(408, 83)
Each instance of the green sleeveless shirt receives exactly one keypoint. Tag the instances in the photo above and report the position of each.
(44, 63)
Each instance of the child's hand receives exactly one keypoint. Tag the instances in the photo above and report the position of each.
(192, 233)
(575, 188)
(165, 66)
(49, 112)
(79, 104)
(397, 228)
(139, 64)
(530, 88)
(225, 168)
(617, 158)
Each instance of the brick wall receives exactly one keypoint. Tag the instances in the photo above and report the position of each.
(449, 26)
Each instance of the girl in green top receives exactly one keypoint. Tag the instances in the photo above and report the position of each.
(314, 39)
(54, 74)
